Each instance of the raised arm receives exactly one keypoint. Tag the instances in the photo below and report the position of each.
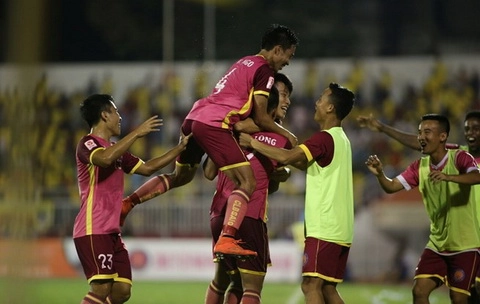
(388, 185)
(105, 157)
(266, 123)
(406, 139)
(153, 165)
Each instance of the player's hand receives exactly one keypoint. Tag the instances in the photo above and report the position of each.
(245, 140)
(374, 165)
(183, 141)
(437, 176)
(293, 139)
(369, 122)
(280, 174)
(152, 124)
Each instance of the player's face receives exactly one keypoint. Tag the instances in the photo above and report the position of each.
(283, 100)
(282, 57)
(114, 120)
(472, 135)
(430, 137)
(322, 105)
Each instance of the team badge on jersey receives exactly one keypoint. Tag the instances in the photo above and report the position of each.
(270, 82)
(90, 144)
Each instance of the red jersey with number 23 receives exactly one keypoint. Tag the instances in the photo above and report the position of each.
(101, 189)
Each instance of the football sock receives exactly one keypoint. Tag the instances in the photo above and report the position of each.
(214, 294)
(233, 296)
(250, 297)
(153, 187)
(237, 205)
(92, 298)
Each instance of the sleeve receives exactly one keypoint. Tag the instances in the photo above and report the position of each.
(452, 146)
(263, 80)
(409, 177)
(465, 162)
(130, 163)
(320, 147)
(86, 147)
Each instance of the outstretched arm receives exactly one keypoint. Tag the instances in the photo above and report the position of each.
(266, 123)
(105, 157)
(406, 139)
(295, 156)
(153, 165)
(470, 178)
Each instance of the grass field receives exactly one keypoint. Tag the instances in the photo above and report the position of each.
(66, 291)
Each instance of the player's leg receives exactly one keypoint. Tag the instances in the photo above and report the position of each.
(466, 264)
(185, 168)
(312, 289)
(156, 186)
(330, 293)
(235, 290)
(429, 274)
(252, 287)
(422, 288)
(253, 271)
(237, 205)
(217, 288)
(92, 251)
(99, 291)
(121, 288)
(323, 260)
(223, 149)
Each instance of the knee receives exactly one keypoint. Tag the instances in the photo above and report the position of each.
(120, 293)
(182, 177)
(120, 297)
(419, 292)
(308, 285)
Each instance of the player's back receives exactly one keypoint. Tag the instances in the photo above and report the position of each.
(232, 98)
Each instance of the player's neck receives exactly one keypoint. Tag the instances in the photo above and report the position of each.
(101, 132)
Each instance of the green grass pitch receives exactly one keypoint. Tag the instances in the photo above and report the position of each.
(61, 291)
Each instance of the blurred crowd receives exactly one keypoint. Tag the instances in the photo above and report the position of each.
(58, 125)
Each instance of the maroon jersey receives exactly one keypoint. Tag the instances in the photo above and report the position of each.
(262, 167)
(232, 98)
(101, 189)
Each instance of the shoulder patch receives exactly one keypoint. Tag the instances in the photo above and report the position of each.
(90, 144)
(270, 82)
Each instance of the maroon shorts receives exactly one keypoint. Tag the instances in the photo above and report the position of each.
(324, 260)
(219, 144)
(458, 269)
(104, 256)
(253, 232)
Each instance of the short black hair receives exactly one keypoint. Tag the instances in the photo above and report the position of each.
(279, 77)
(442, 121)
(91, 108)
(342, 98)
(277, 34)
(273, 99)
(472, 114)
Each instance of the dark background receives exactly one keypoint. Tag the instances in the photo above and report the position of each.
(132, 30)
